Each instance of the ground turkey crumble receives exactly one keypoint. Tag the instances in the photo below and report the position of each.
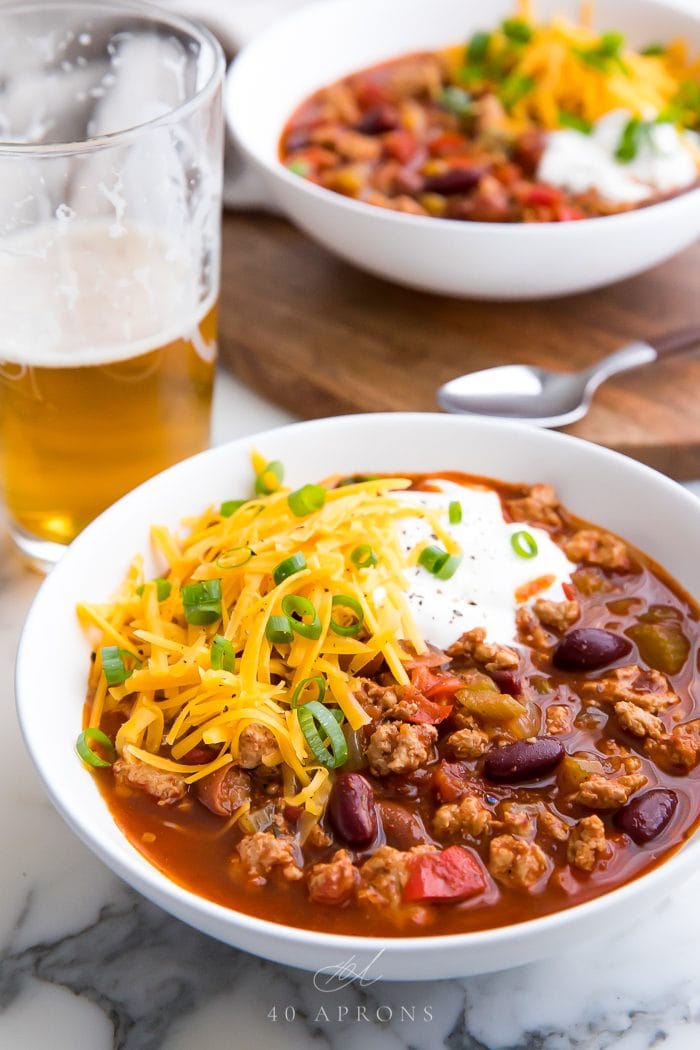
(400, 748)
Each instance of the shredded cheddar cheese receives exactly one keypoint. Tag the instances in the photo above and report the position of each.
(174, 700)
(567, 67)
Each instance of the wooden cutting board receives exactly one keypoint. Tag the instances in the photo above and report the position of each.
(321, 338)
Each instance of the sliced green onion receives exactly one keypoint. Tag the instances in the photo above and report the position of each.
(202, 602)
(439, 562)
(431, 558)
(567, 119)
(455, 512)
(163, 588)
(653, 50)
(234, 557)
(222, 655)
(313, 715)
(291, 565)
(230, 506)
(363, 556)
(514, 88)
(517, 30)
(308, 625)
(611, 43)
(306, 500)
(115, 670)
(278, 630)
(473, 75)
(524, 544)
(349, 630)
(356, 479)
(320, 683)
(478, 48)
(605, 55)
(298, 167)
(455, 100)
(630, 141)
(269, 479)
(337, 714)
(82, 746)
(449, 566)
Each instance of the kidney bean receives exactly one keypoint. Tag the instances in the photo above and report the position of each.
(523, 760)
(199, 755)
(402, 828)
(378, 120)
(507, 682)
(456, 180)
(647, 815)
(589, 649)
(352, 809)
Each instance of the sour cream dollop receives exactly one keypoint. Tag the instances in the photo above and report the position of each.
(482, 591)
(666, 160)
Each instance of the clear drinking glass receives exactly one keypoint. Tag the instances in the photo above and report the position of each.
(111, 142)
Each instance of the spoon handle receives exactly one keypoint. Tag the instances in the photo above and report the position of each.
(676, 341)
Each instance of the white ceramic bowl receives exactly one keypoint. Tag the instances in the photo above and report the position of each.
(52, 663)
(320, 43)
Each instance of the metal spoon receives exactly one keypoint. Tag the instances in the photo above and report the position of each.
(552, 399)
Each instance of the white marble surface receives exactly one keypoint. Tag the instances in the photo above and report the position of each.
(87, 964)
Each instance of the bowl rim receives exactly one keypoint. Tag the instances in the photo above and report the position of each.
(238, 70)
(133, 866)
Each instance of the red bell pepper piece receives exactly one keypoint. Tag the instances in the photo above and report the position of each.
(448, 144)
(543, 195)
(453, 875)
(569, 590)
(569, 213)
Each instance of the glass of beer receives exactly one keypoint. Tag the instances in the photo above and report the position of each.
(111, 144)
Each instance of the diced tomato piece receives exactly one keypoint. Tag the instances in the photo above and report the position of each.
(199, 755)
(432, 658)
(569, 213)
(429, 712)
(447, 144)
(569, 590)
(427, 690)
(544, 195)
(453, 875)
(400, 144)
(435, 686)
(451, 780)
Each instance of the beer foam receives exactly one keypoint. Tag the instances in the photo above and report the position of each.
(76, 292)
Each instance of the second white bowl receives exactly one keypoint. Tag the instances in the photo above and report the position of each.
(322, 42)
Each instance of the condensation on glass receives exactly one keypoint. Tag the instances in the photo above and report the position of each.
(110, 196)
